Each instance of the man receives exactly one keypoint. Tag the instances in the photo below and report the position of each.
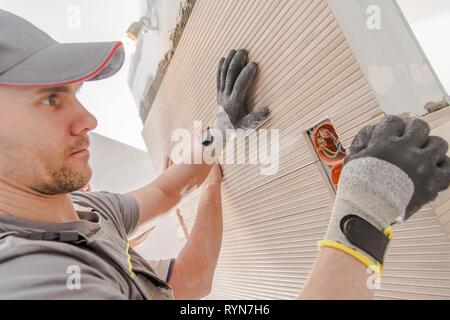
(45, 242)
(56, 243)
(44, 158)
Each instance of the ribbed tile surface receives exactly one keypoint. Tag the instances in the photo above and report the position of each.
(307, 73)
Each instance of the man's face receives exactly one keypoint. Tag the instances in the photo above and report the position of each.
(41, 130)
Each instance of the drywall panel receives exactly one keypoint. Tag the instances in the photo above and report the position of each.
(440, 124)
(390, 55)
(307, 73)
(442, 208)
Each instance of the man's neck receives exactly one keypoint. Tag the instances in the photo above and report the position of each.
(25, 203)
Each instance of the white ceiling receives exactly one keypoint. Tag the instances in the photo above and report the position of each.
(100, 20)
(430, 21)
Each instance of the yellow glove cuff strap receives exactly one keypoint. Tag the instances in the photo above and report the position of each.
(375, 266)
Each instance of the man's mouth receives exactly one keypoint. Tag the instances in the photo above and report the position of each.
(81, 152)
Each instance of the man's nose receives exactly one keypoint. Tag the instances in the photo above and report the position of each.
(84, 121)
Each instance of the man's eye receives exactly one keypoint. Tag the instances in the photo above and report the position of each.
(51, 100)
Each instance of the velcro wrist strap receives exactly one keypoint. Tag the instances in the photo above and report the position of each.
(365, 236)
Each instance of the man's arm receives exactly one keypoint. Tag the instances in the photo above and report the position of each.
(194, 267)
(337, 276)
(167, 190)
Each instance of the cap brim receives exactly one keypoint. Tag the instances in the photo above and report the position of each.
(66, 63)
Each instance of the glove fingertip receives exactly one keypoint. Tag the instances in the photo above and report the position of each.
(242, 53)
(219, 73)
(263, 110)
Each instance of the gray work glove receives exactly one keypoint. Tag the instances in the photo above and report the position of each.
(234, 78)
(233, 81)
(394, 168)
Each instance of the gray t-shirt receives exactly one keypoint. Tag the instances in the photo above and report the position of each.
(85, 259)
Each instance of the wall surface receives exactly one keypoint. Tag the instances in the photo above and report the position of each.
(389, 54)
(430, 21)
(307, 73)
(117, 167)
(441, 124)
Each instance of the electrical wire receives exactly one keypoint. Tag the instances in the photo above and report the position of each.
(339, 149)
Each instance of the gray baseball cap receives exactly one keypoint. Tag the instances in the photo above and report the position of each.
(30, 57)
